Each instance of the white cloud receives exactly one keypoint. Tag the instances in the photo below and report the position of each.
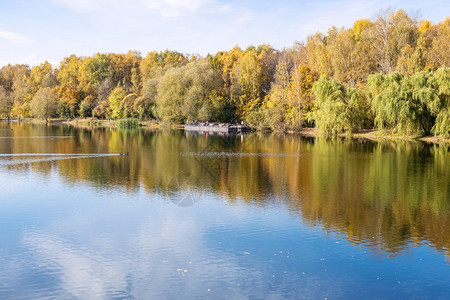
(175, 8)
(166, 8)
(85, 5)
(15, 38)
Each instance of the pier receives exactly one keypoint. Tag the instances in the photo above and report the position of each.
(216, 127)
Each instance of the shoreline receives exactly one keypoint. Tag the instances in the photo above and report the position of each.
(368, 134)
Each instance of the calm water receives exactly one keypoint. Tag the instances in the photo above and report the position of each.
(211, 217)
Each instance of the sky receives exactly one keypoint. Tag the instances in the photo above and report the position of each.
(33, 31)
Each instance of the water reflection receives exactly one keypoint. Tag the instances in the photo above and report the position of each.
(387, 194)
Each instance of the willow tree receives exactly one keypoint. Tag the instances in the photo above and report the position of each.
(390, 103)
(417, 104)
(338, 109)
(127, 107)
(438, 100)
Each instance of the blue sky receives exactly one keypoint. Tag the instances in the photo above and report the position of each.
(32, 31)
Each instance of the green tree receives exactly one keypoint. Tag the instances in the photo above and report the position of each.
(114, 100)
(170, 99)
(440, 105)
(186, 93)
(98, 68)
(145, 105)
(5, 102)
(126, 106)
(338, 109)
(416, 104)
(203, 81)
(44, 104)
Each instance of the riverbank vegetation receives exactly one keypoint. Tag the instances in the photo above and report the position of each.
(390, 73)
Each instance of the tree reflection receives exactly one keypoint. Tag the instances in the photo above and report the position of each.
(387, 195)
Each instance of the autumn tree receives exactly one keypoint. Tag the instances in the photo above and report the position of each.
(251, 76)
(341, 47)
(70, 72)
(225, 63)
(171, 91)
(439, 52)
(390, 33)
(9, 73)
(22, 95)
(104, 89)
(318, 57)
(42, 76)
(301, 95)
(125, 70)
(69, 102)
(17, 89)
(155, 64)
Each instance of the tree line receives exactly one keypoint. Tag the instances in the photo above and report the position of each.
(390, 72)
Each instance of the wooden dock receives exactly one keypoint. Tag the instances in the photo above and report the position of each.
(216, 127)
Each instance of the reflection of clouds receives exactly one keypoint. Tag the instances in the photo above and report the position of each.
(82, 273)
(10, 262)
(165, 254)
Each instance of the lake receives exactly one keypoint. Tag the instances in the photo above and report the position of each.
(188, 216)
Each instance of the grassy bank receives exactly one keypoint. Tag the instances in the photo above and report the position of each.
(378, 135)
(122, 123)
